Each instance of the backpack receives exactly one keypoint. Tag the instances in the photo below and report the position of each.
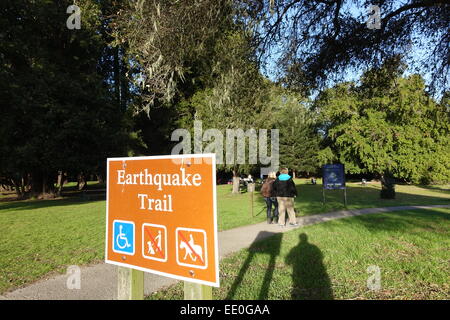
(266, 189)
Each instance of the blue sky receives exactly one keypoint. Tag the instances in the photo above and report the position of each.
(413, 58)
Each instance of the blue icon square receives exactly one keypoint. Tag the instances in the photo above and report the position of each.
(123, 237)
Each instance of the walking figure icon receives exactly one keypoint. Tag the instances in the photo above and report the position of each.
(123, 237)
(154, 242)
(157, 244)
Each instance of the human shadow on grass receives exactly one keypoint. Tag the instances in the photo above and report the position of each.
(271, 248)
(310, 279)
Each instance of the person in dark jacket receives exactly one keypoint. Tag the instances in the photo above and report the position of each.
(266, 191)
(283, 188)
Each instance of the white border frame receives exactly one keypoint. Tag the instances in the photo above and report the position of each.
(216, 246)
(165, 242)
(134, 237)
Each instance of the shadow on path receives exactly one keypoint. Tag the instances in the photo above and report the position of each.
(272, 248)
(310, 279)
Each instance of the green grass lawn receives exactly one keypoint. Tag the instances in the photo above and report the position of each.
(235, 210)
(38, 237)
(43, 236)
(309, 200)
(330, 261)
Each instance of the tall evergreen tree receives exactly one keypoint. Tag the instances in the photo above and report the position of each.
(299, 140)
(387, 125)
(57, 112)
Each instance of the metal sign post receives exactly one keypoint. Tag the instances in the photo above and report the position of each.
(323, 195)
(345, 197)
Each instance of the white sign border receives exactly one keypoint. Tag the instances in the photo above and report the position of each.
(216, 245)
(134, 237)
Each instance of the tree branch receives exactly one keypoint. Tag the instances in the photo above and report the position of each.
(429, 3)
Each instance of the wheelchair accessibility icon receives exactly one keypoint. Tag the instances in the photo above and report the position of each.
(123, 237)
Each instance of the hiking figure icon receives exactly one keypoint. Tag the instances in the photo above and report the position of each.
(158, 244)
(154, 242)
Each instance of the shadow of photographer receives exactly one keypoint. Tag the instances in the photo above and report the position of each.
(310, 280)
(271, 248)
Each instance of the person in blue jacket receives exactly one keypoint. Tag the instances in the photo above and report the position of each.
(283, 188)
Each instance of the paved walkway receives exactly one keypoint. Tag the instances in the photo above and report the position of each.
(99, 282)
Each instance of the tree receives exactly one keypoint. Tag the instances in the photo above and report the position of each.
(236, 97)
(58, 113)
(299, 140)
(387, 125)
(169, 40)
(320, 38)
(173, 56)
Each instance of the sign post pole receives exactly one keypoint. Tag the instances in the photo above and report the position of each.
(130, 284)
(197, 291)
(323, 195)
(251, 189)
(345, 197)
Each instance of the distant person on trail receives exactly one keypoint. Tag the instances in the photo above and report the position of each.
(283, 188)
(266, 192)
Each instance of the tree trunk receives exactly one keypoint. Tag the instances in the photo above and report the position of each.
(19, 190)
(61, 180)
(100, 179)
(387, 186)
(123, 84)
(116, 71)
(236, 181)
(81, 182)
(42, 185)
